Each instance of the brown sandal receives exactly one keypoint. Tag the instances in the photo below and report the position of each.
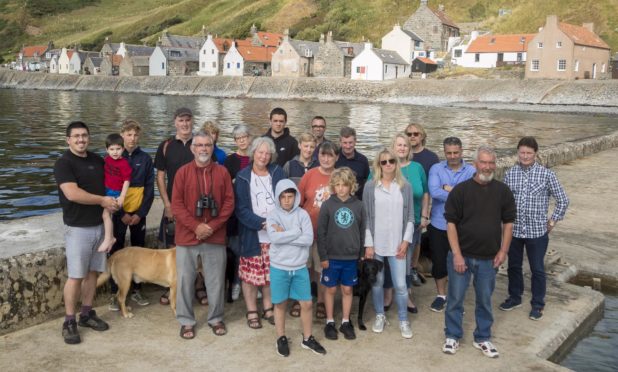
(253, 323)
(320, 310)
(295, 309)
(201, 296)
(271, 318)
(218, 329)
(187, 332)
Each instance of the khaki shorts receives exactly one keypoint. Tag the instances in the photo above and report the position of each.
(313, 262)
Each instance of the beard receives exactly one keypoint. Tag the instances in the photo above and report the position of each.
(486, 177)
(202, 158)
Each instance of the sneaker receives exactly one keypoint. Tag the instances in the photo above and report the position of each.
(70, 332)
(438, 304)
(378, 325)
(450, 346)
(113, 304)
(416, 279)
(92, 321)
(348, 330)
(283, 348)
(536, 314)
(313, 345)
(488, 349)
(406, 330)
(139, 298)
(509, 304)
(235, 292)
(330, 331)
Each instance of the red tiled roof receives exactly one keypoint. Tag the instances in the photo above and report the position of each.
(270, 38)
(29, 51)
(70, 53)
(223, 45)
(500, 43)
(116, 59)
(256, 53)
(582, 36)
(444, 18)
(426, 60)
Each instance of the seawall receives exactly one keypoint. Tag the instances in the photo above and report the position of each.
(549, 94)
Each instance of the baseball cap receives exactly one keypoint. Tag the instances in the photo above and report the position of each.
(183, 111)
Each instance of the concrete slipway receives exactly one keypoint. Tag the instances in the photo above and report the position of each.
(150, 340)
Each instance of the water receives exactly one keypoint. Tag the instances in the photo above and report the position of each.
(32, 125)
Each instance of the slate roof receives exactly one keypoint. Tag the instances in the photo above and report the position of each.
(96, 61)
(179, 41)
(500, 43)
(389, 56)
(444, 18)
(345, 45)
(412, 35)
(301, 45)
(139, 50)
(185, 54)
(582, 36)
(139, 61)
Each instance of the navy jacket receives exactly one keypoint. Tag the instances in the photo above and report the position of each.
(249, 222)
(142, 175)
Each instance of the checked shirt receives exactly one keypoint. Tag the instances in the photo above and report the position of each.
(532, 188)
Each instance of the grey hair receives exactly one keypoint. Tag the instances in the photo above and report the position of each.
(202, 133)
(239, 130)
(259, 141)
(485, 149)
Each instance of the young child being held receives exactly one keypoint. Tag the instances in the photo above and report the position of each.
(117, 180)
(341, 232)
(291, 235)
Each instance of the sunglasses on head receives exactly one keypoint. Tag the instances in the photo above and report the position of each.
(415, 134)
(389, 161)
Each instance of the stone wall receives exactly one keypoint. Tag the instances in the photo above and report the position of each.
(329, 62)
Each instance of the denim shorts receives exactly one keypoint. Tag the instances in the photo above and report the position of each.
(285, 284)
(344, 272)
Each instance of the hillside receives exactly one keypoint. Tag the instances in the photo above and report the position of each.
(88, 22)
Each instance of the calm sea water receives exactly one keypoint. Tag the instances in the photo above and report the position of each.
(32, 125)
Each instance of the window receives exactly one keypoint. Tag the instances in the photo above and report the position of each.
(237, 64)
(265, 66)
(534, 66)
(458, 53)
(539, 45)
(562, 65)
(477, 57)
(576, 66)
(203, 64)
(435, 29)
(162, 65)
(603, 68)
(204, 51)
(212, 51)
(558, 44)
(417, 44)
(519, 57)
(174, 53)
(358, 69)
(228, 65)
(214, 65)
(385, 69)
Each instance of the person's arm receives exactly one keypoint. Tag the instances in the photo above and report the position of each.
(459, 263)
(436, 189)
(507, 235)
(425, 211)
(243, 209)
(183, 213)
(149, 180)
(77, 195)
(167, 205)
(562, 201)
(323, 222)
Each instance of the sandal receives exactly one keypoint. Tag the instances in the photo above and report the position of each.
(320, 310)
(253, 323)
(271, 318)
(201, 296)
(187, 332)
(295, 310)
(165, 298)
(218, 329)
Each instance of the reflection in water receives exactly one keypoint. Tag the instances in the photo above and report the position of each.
(32, 125)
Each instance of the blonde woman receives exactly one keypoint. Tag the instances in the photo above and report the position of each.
(388, 199)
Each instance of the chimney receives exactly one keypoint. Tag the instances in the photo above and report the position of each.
(253, 30)
(286, 34)
(423, 2)
(321, 38)
(204, 33)
(368, 46)
(209, 36)
(552, 20)
(441, 7)
(396, 27)
(589, 26)
(329, 37)
(474, 35)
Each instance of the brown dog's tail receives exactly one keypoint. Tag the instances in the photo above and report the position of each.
(104, 276)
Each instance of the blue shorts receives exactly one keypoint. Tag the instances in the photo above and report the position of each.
(112, 193)
(344, 272)
(285, 284)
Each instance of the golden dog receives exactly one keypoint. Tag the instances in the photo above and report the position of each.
(139, 264)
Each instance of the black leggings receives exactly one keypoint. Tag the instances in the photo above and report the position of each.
(439, 247)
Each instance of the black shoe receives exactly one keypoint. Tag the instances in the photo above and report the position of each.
(313, 345)
(93, 321)
(283, 348)
(348, 330)
(70, 332)
(330, 331)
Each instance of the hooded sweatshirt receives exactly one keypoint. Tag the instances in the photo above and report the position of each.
(341, 229)
(289, 249)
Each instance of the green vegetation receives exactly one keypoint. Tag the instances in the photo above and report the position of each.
(88, 22)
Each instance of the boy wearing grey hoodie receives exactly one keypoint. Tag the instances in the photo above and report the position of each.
(291, 235)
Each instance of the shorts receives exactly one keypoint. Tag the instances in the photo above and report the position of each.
(256, 270)
(344, 272)
(112, 193)
(313, 262)
(294, 284)
(439, 246)
(81, 250)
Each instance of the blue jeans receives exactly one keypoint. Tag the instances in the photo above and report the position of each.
(398, 275)
(535, 250)
(484, 283)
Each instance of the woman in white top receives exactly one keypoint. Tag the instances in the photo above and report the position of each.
(390, 228)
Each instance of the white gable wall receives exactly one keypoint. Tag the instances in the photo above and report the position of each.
(233, 63)
(53, 65)
(209, 59)
(367, 66)
(63, 62)
(158, 63)
(401, 43)
(75, 64)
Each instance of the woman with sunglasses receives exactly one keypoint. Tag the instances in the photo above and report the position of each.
(390, 229)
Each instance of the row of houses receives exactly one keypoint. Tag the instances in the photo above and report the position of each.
(427, 39)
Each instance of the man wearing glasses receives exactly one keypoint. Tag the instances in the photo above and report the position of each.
(318, 128)
(79, 175)
(417, 136)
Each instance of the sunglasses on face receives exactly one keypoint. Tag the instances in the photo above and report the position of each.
(389, 161)
(413, 134)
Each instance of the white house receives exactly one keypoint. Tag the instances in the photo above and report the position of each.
(379, 64)
(211, 57)
(489, 51)
(408, 44)
(157, 65)
(53, 64)
(171, 61)
(233, 62)
(64, 60)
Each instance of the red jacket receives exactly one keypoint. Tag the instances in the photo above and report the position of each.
(189, 183)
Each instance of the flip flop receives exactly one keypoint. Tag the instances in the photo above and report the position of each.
(295, 309)
(218, 329)
(320, 310)
(270, 319)
(187, 332)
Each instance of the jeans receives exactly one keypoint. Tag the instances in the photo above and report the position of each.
(484, 283)
(535, 250)
(398, 275)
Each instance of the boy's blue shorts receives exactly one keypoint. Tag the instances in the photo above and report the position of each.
(285, 284)
(342, 272)
(112, 193)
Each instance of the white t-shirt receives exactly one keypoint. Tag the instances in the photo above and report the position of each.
(262, 200)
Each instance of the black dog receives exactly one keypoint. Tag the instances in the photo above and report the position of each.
(230, 272)
(368, 270)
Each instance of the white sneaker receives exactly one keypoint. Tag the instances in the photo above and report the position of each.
(380, 322)
(450, 346)
(406, 330)
(488, 349)
(235, 292)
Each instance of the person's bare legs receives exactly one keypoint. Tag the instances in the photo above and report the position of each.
(346, 301)
(72, 289)
(280, 309)
(306, 317)
(89, 287)
(329, 302)
(109, 239)
(266, 297)
(249, 293)
(441, 286)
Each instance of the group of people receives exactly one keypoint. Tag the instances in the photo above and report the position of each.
(295, 217)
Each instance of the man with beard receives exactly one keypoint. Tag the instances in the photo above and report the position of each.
(480, 213)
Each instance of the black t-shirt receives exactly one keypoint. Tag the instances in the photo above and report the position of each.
(176, 155)
(426, 158)
(479, 211)
(88, 174)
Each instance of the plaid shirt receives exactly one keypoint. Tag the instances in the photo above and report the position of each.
(532, 188)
